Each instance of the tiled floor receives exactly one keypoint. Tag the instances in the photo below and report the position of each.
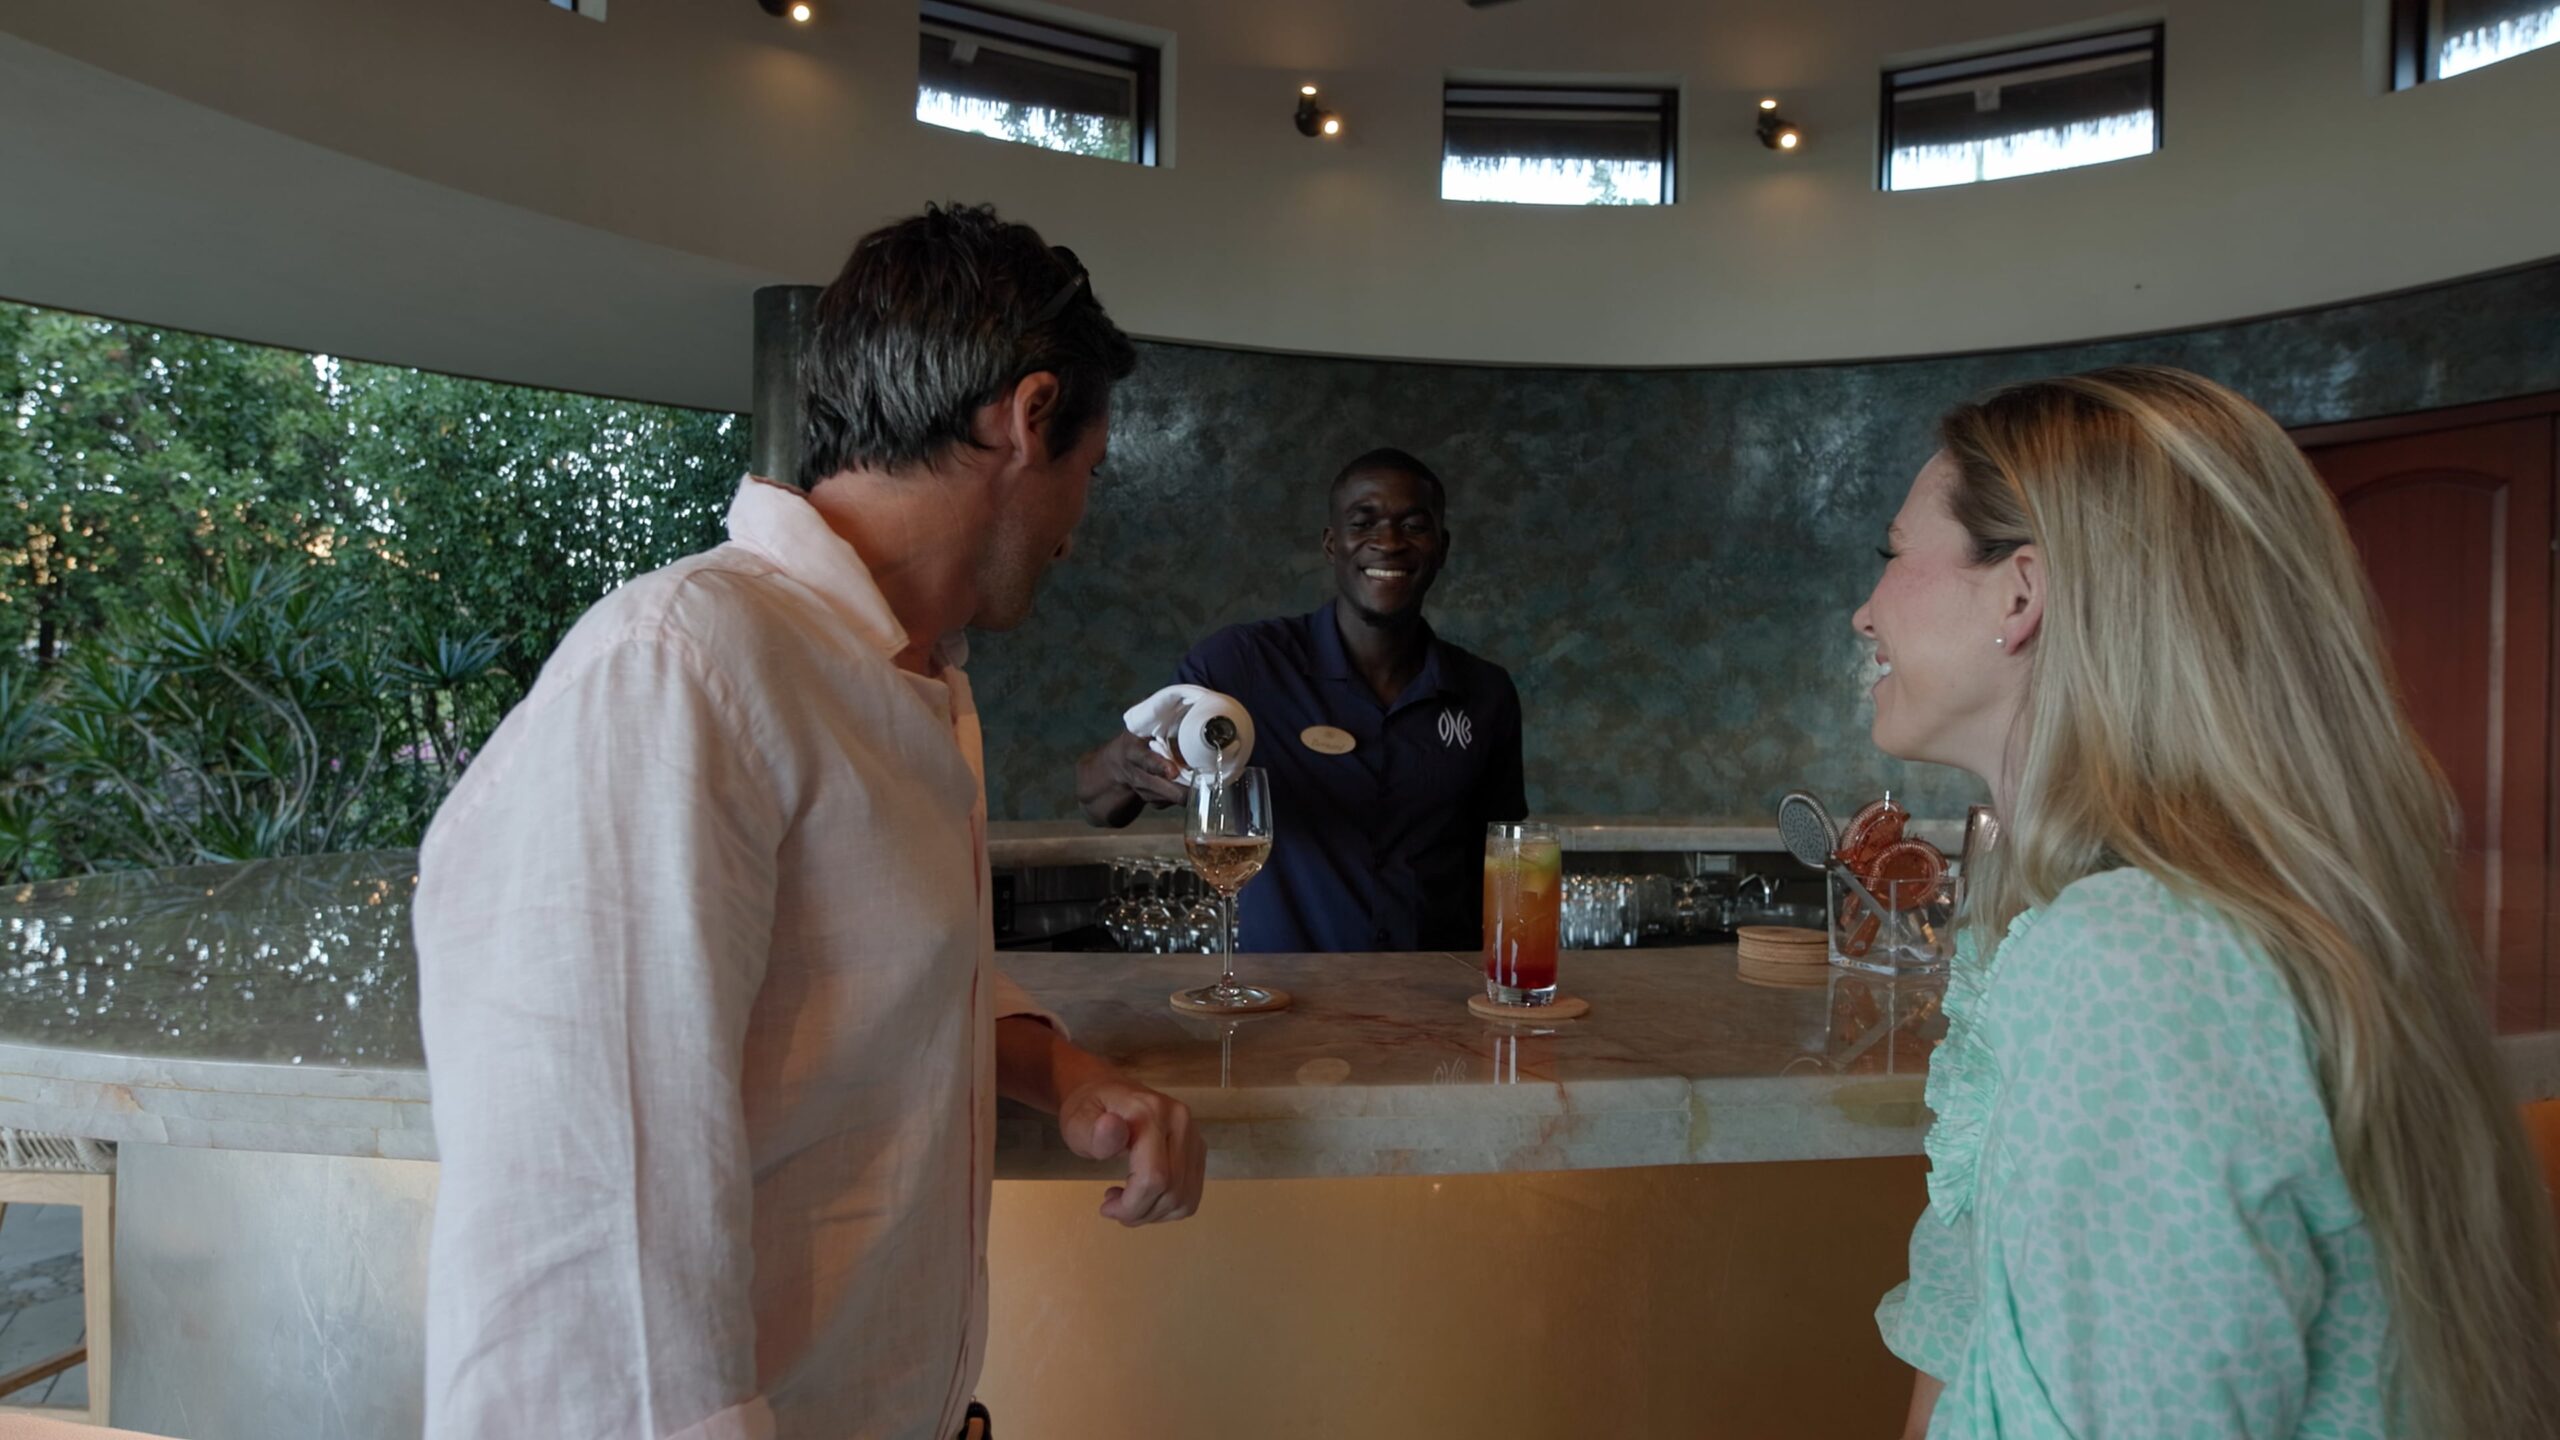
(40, 1310)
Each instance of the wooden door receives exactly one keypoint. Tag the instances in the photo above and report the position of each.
(2455, 526)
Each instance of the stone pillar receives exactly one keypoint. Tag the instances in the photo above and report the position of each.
(783, 317)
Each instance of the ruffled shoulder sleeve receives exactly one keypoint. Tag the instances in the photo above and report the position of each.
(1929, 1320)
(1964, 1074)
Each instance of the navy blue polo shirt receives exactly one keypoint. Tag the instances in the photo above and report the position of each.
(1381, 848)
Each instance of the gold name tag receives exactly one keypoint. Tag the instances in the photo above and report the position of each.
(1325, 740)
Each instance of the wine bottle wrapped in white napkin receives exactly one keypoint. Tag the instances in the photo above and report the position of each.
(1195, 727)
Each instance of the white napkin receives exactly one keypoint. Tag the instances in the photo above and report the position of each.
(1175, 723)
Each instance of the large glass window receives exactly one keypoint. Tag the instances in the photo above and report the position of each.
(1036, 83)
(2439, 39)
(1554, 146)
(2023, 111)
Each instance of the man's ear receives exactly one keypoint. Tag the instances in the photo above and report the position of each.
(1028, 413)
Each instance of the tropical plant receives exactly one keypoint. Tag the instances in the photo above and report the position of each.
(254, 601)
(27, 744)
(261, 714)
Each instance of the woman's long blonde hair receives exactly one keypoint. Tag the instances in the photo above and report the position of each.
(2210, 701)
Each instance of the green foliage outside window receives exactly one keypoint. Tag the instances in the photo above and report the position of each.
(258, 602)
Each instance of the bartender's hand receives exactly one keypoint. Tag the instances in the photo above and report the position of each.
(1168, 1163)
(1128, 760)
(1122, 776)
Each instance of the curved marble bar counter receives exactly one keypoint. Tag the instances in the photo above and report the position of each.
(249, 1035)
(1072, 842)
(274, 1007)
(270, 1006)
(1379, 1068)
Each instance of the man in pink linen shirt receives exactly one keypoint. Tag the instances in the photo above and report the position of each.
(706, 969)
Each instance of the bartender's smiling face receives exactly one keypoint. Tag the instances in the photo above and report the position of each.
(1386, 542)
(1943, 628)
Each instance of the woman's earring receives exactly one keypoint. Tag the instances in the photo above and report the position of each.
(2000, 640)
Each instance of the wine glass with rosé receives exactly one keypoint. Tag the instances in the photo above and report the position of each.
(1227, 834)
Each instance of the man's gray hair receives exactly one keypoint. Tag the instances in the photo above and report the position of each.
(935, 317)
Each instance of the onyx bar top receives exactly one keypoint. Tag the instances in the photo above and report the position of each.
(273, 1006)
(1018, 844)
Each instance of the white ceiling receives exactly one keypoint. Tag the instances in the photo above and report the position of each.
(495, 187)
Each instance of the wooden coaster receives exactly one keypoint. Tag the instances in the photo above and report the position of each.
(1793, 966)
(1566, 1007)
(1180, 1000)
(1783, 954)
(1771, 936)
(1785, 957)
(1813, 964)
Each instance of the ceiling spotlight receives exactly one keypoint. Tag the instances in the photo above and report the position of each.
(1768, 104)
(800, 12)
(1777, 132)
(1314, 120)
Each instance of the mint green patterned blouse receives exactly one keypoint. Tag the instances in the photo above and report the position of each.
(2136, 1223)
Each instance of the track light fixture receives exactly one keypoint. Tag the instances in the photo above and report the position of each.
(1776, 131)
(799, 12)
(1314, 121)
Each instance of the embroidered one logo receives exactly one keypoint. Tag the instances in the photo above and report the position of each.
(1457, 728)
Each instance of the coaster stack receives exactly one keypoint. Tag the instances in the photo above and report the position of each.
(1782, 955)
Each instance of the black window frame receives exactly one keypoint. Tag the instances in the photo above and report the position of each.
(1663, 103)
(1145, 61)
(2414, 41)
(2099, 44)
(2409, 37)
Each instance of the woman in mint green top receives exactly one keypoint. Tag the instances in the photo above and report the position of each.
(2135, 1213)
(2221, 1147)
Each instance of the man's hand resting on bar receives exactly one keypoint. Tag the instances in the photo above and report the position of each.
(1104, 1114)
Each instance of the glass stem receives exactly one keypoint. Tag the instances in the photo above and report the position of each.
(1227, 939)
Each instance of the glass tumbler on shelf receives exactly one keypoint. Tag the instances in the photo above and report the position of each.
(1523, 911)
(1227, 833)
(1152, 920)
(1656, 906)
(1118, 911)
(1200, 926)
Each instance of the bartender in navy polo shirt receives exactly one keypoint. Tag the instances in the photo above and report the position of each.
(1389, 748)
